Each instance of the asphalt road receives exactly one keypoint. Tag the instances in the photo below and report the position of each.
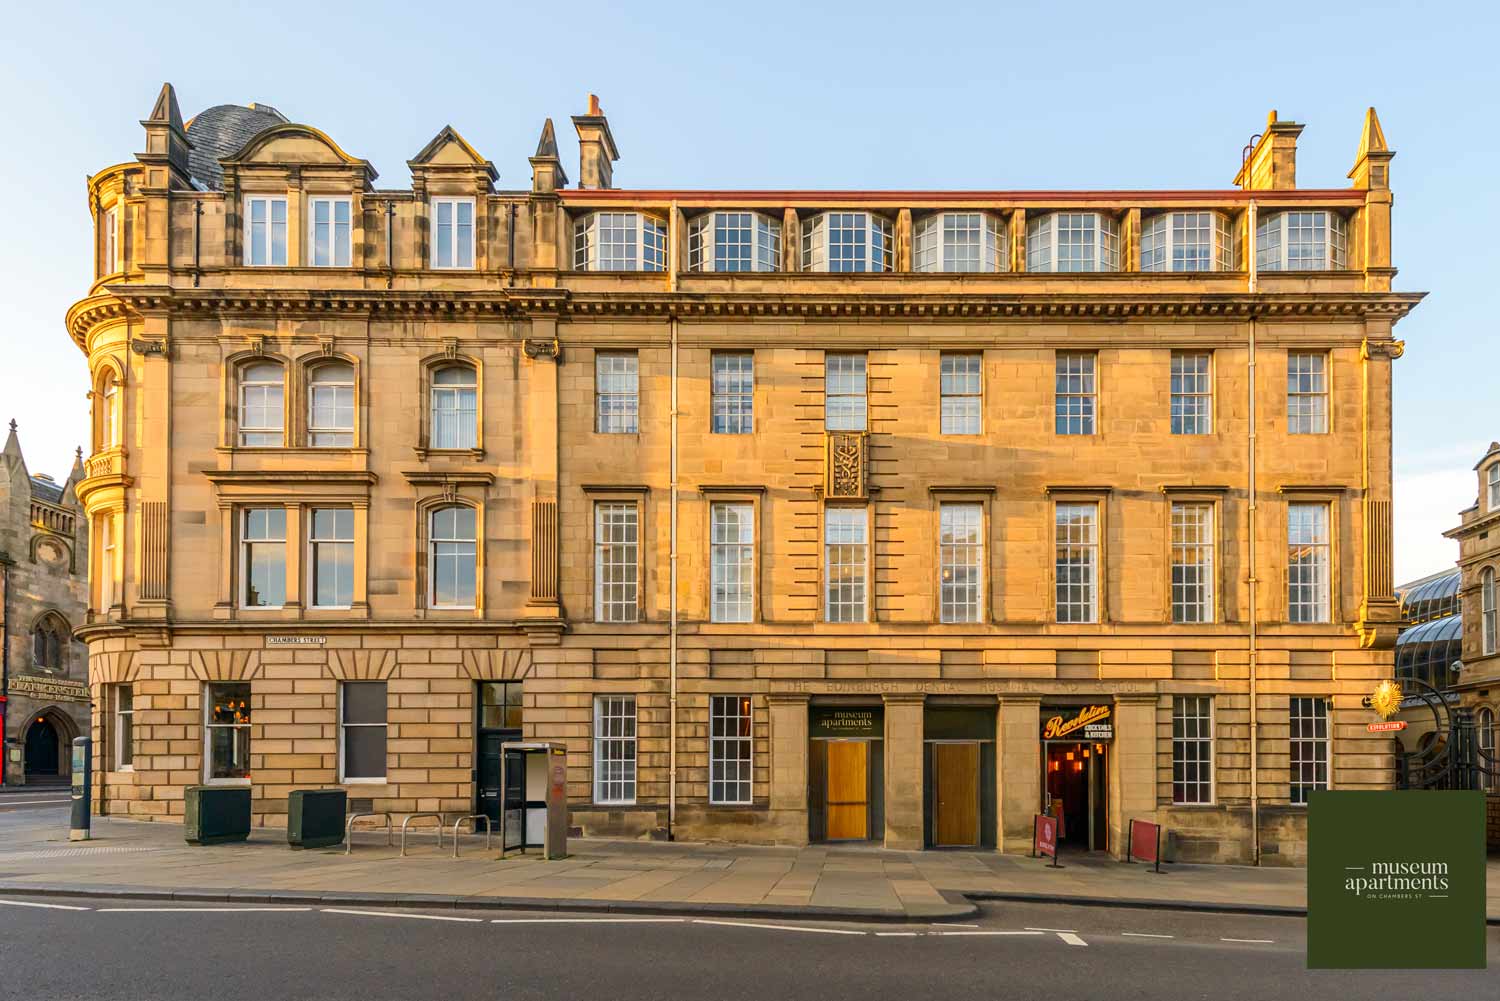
(145, 949)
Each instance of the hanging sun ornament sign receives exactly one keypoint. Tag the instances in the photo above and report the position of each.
(1386, 699)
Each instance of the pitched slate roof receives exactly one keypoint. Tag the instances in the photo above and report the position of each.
(46, 490)
(221, 131)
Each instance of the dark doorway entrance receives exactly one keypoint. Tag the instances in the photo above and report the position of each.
(1078, 793)
(42, 755)
(499, 712)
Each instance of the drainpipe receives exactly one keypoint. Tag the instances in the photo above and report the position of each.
(672, 550)
(1254, 579)
(4, 659)
(390, 243)
(197, 241)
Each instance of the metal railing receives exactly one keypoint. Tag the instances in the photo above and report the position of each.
(349, 829)
(475, 817)
(418, 816)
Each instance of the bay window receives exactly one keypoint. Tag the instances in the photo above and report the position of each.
(1301, 241)
(734, 241)
(961, 241)
(1072, 241)
(1187, 241)
(619, 241)
(848, 242)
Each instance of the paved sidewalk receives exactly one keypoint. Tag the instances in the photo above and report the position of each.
(152, 859)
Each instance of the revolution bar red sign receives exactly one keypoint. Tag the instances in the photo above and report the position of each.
(1395, 724)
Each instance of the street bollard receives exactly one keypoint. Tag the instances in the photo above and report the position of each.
(83, 765)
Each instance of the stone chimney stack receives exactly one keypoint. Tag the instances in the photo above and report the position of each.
(596, 148)
(1270, 164)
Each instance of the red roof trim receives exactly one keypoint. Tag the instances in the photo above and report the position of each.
(1338, 195)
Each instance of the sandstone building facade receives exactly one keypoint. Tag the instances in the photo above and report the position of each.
(44, 560)
(795, 515)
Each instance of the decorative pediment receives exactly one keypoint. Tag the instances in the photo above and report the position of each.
(293, 145)
(449, 153)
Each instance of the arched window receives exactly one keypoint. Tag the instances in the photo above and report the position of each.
(1487, 610)
(107, 407)
(330, 406)
(262, 404)
(455, 393)
(451, 557)
(1484, 729)
(49, 644)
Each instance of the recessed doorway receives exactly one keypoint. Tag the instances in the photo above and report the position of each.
(1077, 793)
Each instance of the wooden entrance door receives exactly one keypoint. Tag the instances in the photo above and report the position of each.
(848, 790)
(956, 768)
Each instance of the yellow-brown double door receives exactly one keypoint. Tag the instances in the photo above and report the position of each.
(955, 768)
(848, 797)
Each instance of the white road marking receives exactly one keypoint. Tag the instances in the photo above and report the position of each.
(1250, 941)
(583, 921)
(754, 924)
(955, 924)
(990, 933)
(1144, 934)
(1058, 931)
(1071, 938)
(198, 910)
(897, 934)
(394, 914)
(50, 907)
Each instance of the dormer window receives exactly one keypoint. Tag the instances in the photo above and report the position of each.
(265, 230)
(453, 232)
(329, 232)
(961, 241)
(848, 242)
(734, 241)
(619, 241)
(1187, 241)
(1301, 241)
(1493, 487)
(1072, 241)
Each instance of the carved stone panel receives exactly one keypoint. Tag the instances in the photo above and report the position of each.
(846, 465)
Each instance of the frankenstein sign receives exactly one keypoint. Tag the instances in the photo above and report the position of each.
(1091, 722)
(846, 721)
(49, 689)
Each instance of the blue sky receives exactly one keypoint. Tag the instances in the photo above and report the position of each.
(867, 95)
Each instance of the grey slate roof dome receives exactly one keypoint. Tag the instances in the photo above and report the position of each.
(221, 131)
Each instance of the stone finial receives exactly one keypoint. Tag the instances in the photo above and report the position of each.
(1371, 168)
(596, 148)
(167, 143)
(547, 174)
(166, 109)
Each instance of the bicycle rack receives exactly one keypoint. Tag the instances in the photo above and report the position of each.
(349, 829)
(416, 816)
(476, 817)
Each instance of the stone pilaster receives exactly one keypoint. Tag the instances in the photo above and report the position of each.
(1019, 797)
(1132, 778)
(789, 766)
(903, 771)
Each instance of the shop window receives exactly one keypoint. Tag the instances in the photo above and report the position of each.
(124, 703)
(729, 777)
(226, 733)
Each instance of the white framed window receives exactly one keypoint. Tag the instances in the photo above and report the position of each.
(1192, 561)
(110, 251)
(329, 232)
(330, 557)
(846, 562)
(614, 749)
(1485, 733)
(1076, 563)
(1301, 241)
(960, 562)
(1187, 241)
(330, 405)
(617, 562)
(106, 562)
(362, 731)
(452, 557)
(734, 241)
(455, 407)
(109, 410)
(1307, 392)
(1192, 392)
(617, 392)
(961, 383)
(1072, 241)
(729, 750)
(1077, 389)
(961, 241)
(1309, 746)
(1487, 612)
(226, 733)
(1308, 563)
(845, 403)
(619, 241)
(263, 557)
(733, 392)
(1192, 749)
(262, 405)
(265, 230)
(732, 559)
(124, 728)
(1493, 487)
(848, 242)
(452, 233)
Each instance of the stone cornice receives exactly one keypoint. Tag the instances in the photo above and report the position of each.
(844, 304)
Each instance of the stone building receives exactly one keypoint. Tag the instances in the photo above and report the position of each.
(1478, 684)
(892, 516)
(44, 695)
